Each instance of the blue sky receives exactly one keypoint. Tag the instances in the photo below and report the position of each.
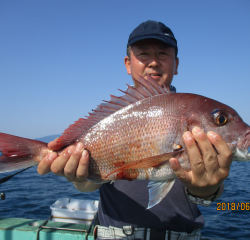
(59, 59)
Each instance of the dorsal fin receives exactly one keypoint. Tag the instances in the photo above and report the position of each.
(148, 88)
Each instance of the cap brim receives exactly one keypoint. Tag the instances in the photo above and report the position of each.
(165, 39)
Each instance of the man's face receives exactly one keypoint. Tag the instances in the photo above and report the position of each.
(152, 57)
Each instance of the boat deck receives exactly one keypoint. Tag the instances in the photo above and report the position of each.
(30, 229)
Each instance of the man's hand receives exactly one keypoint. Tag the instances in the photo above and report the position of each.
(208, 167)
(72, 164)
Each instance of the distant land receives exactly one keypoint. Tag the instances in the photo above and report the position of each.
(48, 138)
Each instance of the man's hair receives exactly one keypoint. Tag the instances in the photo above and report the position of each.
(129, 51)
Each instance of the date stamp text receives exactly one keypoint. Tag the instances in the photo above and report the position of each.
(233, 206)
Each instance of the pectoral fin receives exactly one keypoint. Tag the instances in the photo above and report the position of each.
(154, 161)
(158, 190)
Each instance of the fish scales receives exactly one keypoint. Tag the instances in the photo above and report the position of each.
(140, 130)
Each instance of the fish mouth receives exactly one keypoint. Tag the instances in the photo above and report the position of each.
(241, 148)
(241, 155)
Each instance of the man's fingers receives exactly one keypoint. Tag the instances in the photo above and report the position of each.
(45, 164)
(82, 170)
(225, 156)
(73, 162)
(209, 154)
(57, 167)
(194, 154)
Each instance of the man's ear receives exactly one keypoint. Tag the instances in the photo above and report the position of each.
(127, 64)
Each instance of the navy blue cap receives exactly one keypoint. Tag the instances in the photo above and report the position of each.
(155, 30)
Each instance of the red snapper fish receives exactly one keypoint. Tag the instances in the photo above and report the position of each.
(133, 137)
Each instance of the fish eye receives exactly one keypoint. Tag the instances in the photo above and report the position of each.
(220, 118)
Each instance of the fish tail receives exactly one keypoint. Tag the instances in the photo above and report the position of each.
(18, 153)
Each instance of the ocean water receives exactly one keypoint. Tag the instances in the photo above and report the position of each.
(29, 195)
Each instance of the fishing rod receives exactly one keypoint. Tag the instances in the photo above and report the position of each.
(7, 178)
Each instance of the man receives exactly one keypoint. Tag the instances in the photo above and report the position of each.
(152, 49)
